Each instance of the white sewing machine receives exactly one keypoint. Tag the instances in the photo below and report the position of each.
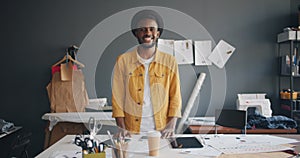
(259, 101)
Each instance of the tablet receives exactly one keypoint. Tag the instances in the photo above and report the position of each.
(185, 142)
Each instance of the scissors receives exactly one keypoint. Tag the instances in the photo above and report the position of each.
(79, 141)
(94, 127)
(84, 143)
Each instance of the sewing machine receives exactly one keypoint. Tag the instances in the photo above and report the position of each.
(258, 101)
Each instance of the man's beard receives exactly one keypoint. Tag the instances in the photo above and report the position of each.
(146, 45)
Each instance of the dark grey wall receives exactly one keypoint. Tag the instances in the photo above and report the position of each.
(34, 35)
(295, 8)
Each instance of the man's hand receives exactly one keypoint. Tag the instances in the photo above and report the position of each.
(169, 130)
(122, 133)
(167, 133)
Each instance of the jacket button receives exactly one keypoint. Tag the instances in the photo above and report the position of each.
(141, 74)
(139, 103)
(140, 89)
(136, 119)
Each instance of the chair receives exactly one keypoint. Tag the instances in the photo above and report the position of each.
(231, 118)
(20, 145)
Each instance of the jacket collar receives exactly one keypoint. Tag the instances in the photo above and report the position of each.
(135, 59)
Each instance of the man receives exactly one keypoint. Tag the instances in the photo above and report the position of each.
(146, 87)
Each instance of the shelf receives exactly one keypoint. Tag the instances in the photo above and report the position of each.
(288, 100)
(289, 106)
(285, 67)
(286, 75)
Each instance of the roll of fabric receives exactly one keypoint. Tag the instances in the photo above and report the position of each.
(5, 126)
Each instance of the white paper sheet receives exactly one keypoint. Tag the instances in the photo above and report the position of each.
(234, 144)
(205, 151)
(202, 52)
(221, 53)
(68, 154)
(183, 50)
(252, 148)
(166, 45)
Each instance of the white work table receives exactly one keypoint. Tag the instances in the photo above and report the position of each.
(61, 124)
(138, 148)
(78, 117)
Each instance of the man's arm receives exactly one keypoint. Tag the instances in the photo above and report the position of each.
(174, 103)
(118, 91)
(121, 127)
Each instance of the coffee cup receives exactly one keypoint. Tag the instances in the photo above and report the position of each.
(154, 142)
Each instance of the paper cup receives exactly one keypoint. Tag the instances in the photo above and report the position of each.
(154, 142)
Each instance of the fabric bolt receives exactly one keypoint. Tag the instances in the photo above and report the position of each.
(5, 126)
(275, 122)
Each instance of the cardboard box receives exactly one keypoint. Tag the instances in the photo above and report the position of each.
(287, 95)
(288, 35)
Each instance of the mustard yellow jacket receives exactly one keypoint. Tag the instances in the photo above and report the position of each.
(128, 89)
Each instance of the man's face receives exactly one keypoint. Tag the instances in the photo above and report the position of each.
(147, 33)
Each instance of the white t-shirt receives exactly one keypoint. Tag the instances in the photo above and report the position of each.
(147, 122)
